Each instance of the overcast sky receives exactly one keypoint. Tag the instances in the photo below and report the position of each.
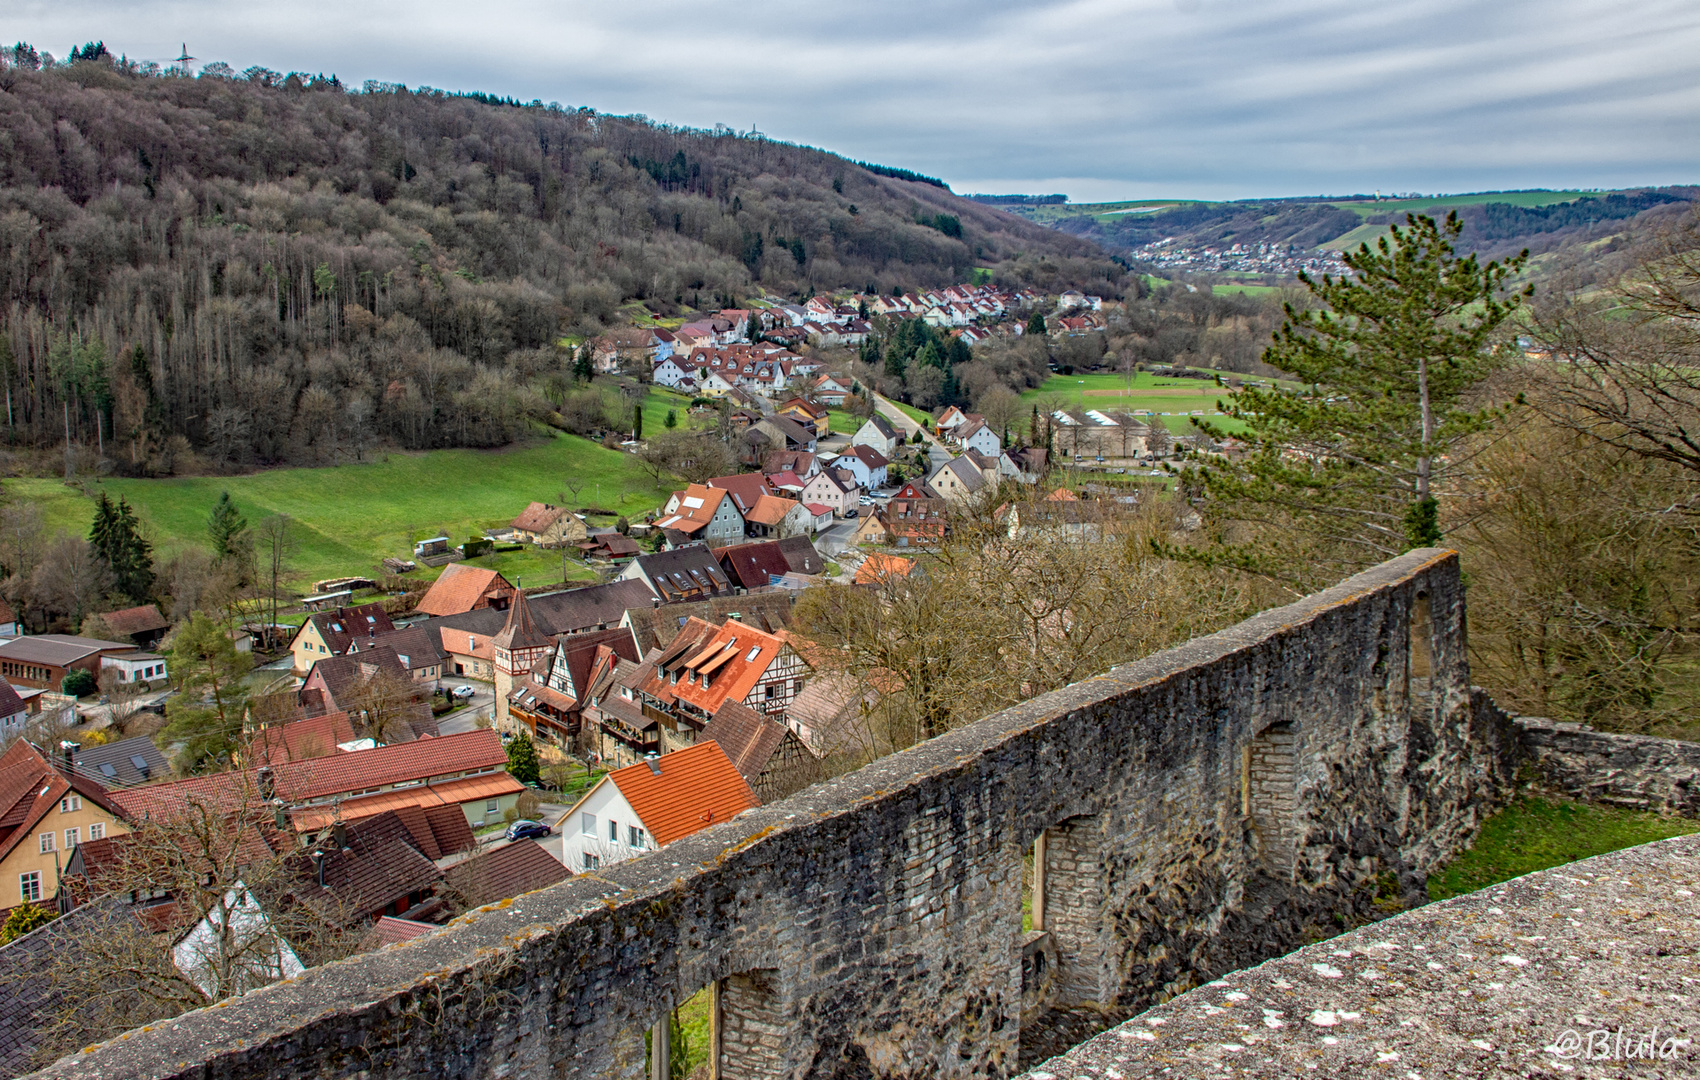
(1099, 99)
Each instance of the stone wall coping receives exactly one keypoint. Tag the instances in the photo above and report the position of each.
(1528, 977)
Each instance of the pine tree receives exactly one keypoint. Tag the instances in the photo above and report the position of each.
(1036, 324)
(224, 525)
(637, 421)
(583, 368)
(1351, 472)
(116, 538)
(672, 420)
(522, 759)
(208, 671)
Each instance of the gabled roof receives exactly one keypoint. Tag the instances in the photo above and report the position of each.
(389, 930)
(685, 573)
(507, 871)
(58, 650)
(345, 625)
(302, 740)
(746, 489)
(658, 627)
(424, 759)
(879, 567)
(443, 794)
(750, 565)
(770, 510)
(538, 517)
(806, 406)
(461, 588)
(413, 646)
(437, 831)
(25, 967)
(30, 787)
(830, 476)
(597, 606)
(697, 506)
(683, 792)
(115, 764)
(748, 738)
(377, 865)
(341, 677)
(883, 426)
(727, 666)
(870, 457)
(791, 461)
(136, 620)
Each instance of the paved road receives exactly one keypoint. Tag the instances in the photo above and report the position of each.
(901, 421)
(463, 718)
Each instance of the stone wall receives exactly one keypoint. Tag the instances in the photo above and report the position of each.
(872, 925)
(1633, 771)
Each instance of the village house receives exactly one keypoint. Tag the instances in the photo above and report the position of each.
(548, 526)
(344, 684)
(957, 480)
(865, 463)
(767, 754)
(878, 433)
(9, 626)
(47, 808)
(831, 390)
(751, 566)
(548, 702)
(142, 626)
(649, 805)
(773, 516)
(414, 648)
(745, 488)
(814, 417)
(329, 633)
(672, 372)
(468, 770)
(803, 463)
(872, 529)
(784, 433)
(916, 519)
(976, 436)
(465, 588)
(135, 668)
(705, 513)
(877, 569)
(686, 573)
(42, 661)
(834, 488)
(124, 763)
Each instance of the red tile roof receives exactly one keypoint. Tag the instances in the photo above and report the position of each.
(462, 588)
(448, 793)
(136, 620)
(538, 517)
(877, 568)
(506, 871)
(388, 930)
(303, 739)
(680, 793)
(445, 757)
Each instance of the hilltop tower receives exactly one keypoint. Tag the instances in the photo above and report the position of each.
(518, 645)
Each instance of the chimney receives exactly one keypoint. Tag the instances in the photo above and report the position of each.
(319, 867)
(653, 762)
(268, 788)
(654, 602)
(70, 749)
(339, 836)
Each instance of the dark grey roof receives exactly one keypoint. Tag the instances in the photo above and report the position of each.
(596, 607)
(690, 572)
(24, 983)
(124, 763)
(481, 621)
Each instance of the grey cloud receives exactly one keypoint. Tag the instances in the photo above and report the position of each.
(1099, 98)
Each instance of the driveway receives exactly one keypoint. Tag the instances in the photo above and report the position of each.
(901, 421)
(551, 843)
(463, 718)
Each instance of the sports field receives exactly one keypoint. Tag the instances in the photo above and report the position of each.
(1180, 399)
(351, 516)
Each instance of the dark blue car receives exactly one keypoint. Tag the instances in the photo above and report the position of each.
(522, 830)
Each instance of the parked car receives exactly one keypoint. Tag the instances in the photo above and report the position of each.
(525, 830)
(867, 500)
(850, 513)
(462, 692)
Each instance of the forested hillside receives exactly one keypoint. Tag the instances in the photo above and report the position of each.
(259, 269)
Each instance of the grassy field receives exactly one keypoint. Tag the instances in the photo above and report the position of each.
(1159, 394)
(1245, 290)
(353, 515)
(1535, 833)
(844, 423)
(920, 416)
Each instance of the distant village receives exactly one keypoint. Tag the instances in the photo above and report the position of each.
(1280, 260)
(674, 689)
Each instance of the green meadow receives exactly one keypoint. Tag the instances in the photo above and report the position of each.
(351, 516)
(1159, 394)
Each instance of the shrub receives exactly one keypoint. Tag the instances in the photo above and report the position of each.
(528, 805)
(24, 918)
(78, 683)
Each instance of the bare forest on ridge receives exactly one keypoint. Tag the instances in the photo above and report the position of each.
(261, 269)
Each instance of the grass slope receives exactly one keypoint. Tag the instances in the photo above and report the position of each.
(1534, 833)
(353, 515)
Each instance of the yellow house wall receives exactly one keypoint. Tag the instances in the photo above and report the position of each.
(307, 648)
(27, 855)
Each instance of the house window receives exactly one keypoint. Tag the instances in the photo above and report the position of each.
(97, 831)
(613, 831)
(46, 841)
(72, 838)
(491, 807)
(587, 824)
(70, 804)
(770, 690)
(591, 862)
(634, 836)
(29, 886)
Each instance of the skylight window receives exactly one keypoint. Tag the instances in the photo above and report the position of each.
(755, 651)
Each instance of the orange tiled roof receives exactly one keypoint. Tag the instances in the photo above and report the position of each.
(462, 588)
(877, 567)
(731, 662)
(449, 793)
(680, 793)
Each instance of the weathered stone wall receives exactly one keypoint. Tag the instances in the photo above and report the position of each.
(879, 914)
(1633, 771)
